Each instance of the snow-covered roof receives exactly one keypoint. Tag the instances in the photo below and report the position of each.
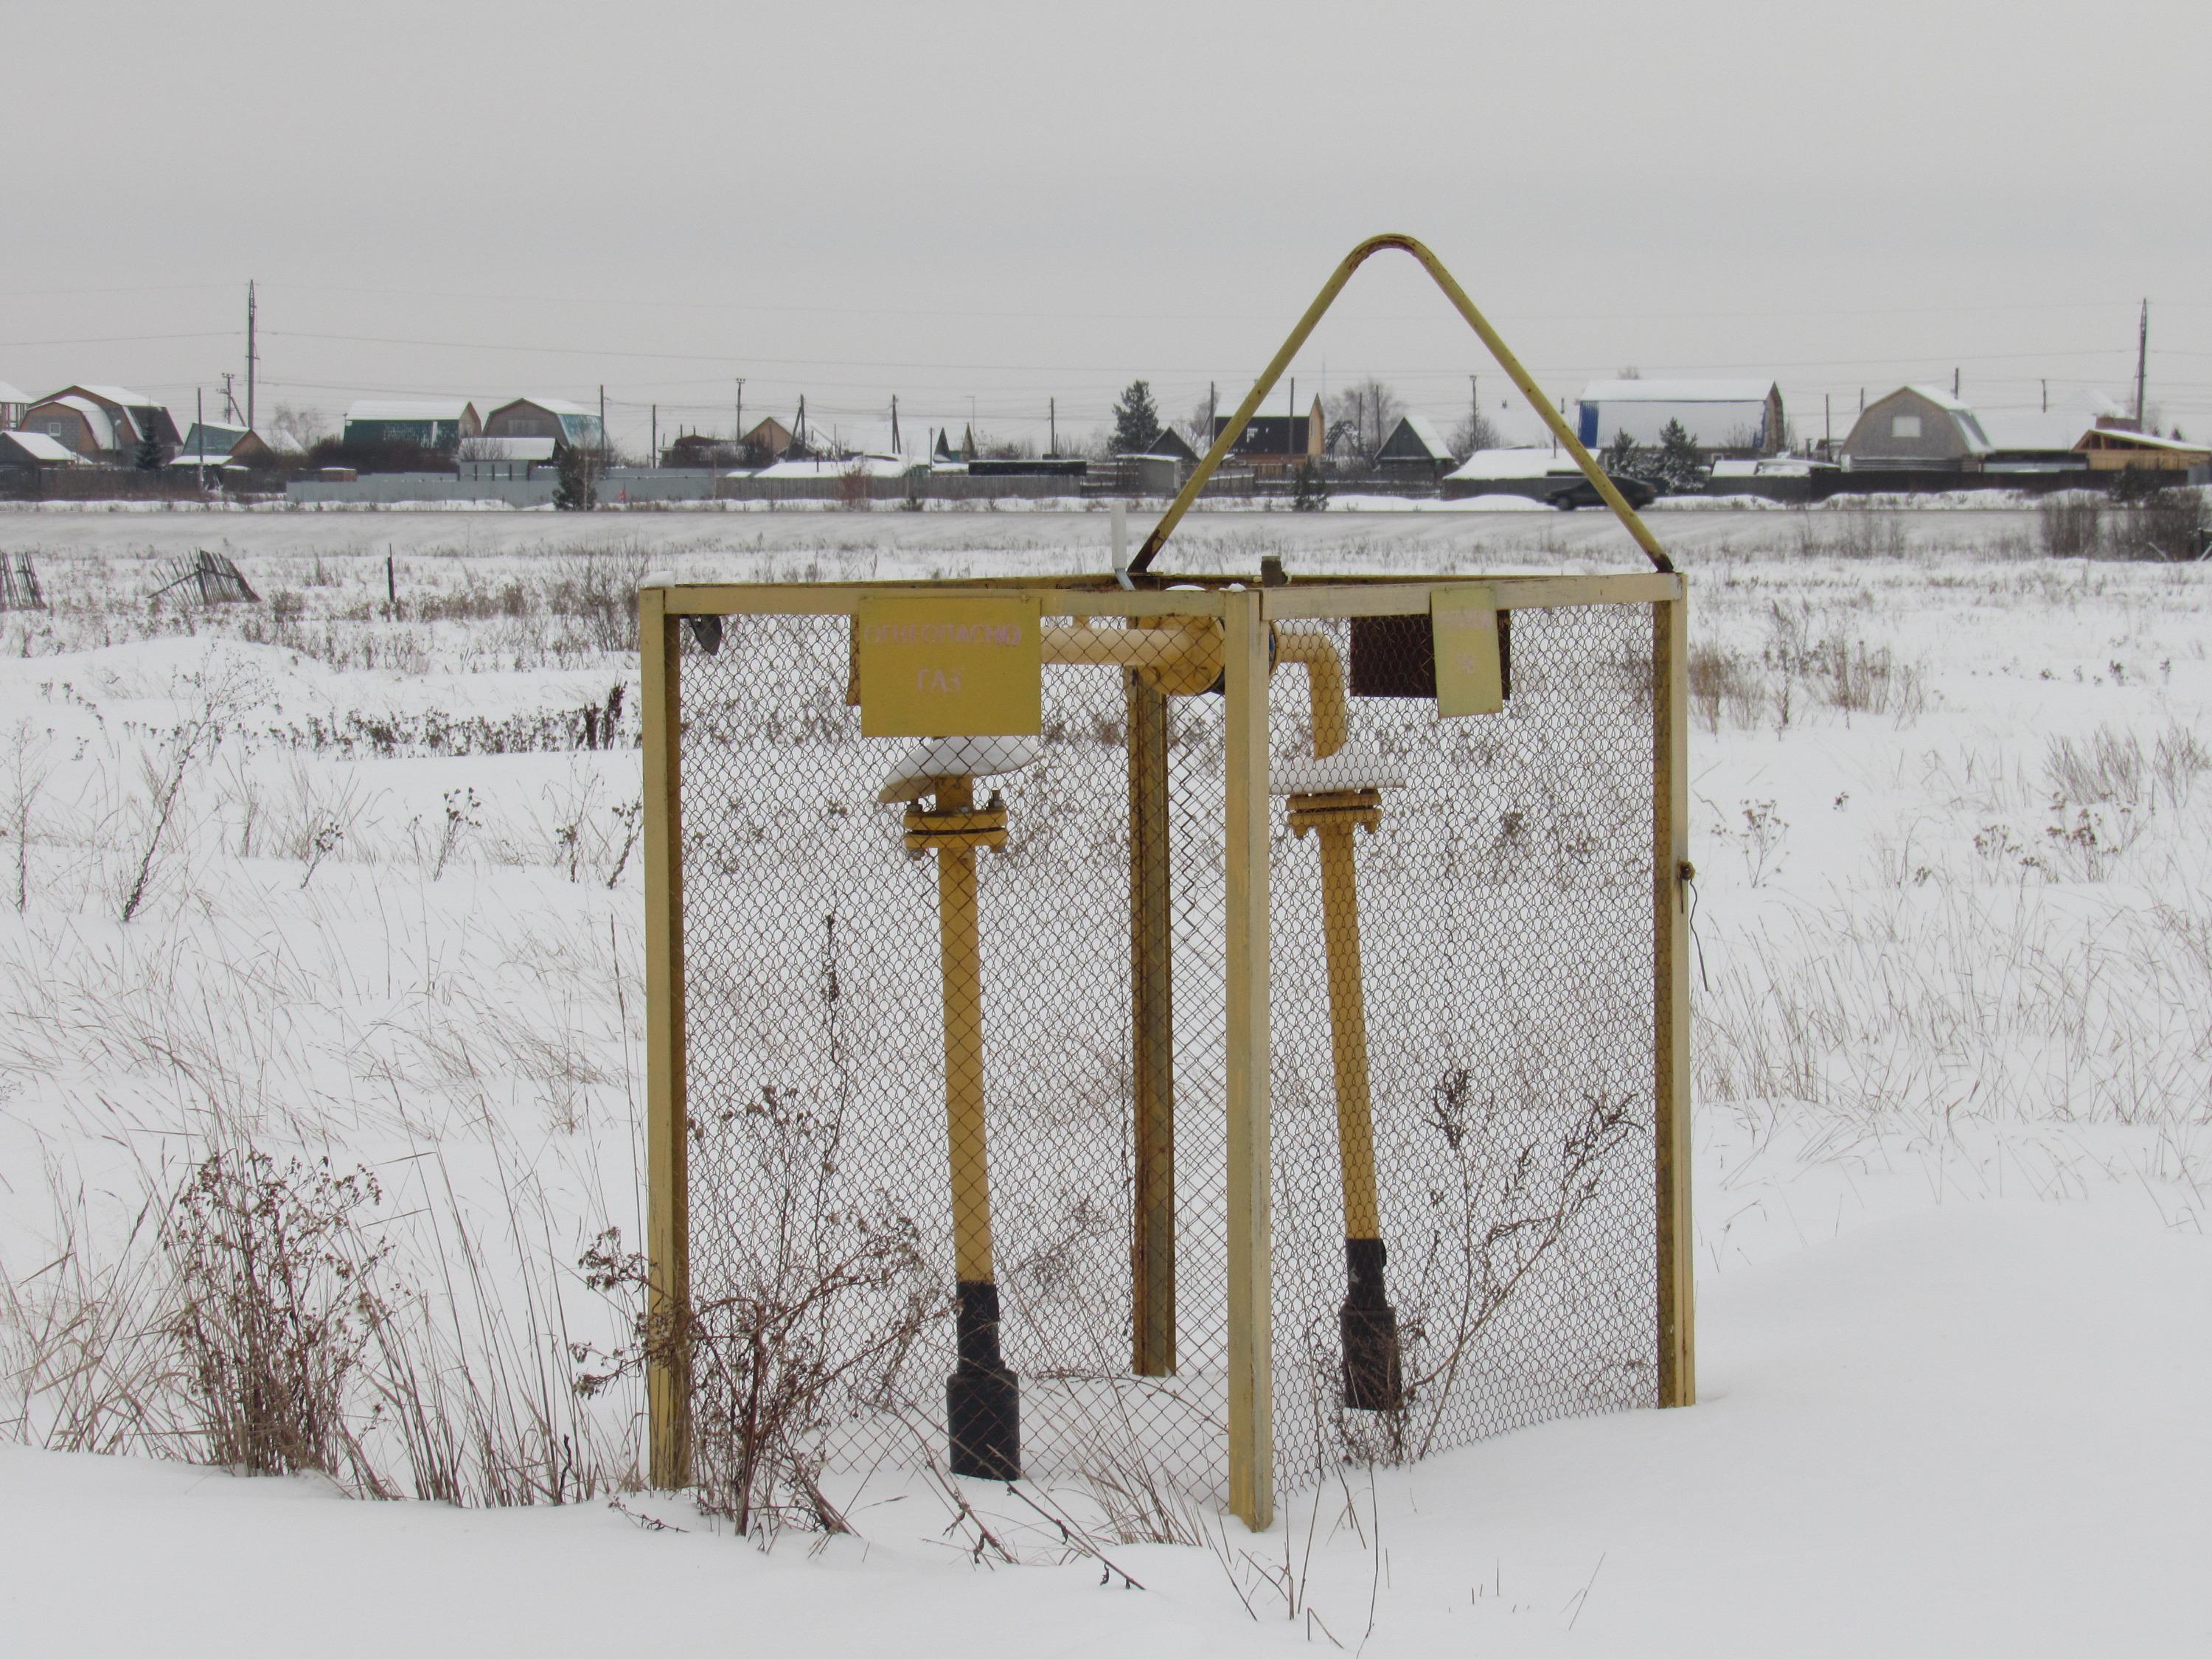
(2127, 440)
(873, 466)
(413, 409)
(95, 416)
(2035, 429)
(121, 394)
(1940, 399)
(552, 406)
(1431, 440)
(40, 447)
(865, 437)
(13, 394)
(1762, 466)
(1496, 463)
(1677, 392)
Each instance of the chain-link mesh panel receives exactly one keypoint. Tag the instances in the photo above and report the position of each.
(841, 1196)
(956, 1060)
(1461, 1025)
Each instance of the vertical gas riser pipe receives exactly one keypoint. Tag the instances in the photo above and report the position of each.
(1373, 1374)
(982, 1396)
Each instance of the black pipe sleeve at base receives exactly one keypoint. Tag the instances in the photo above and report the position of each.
(1374, 1378)
(982, 1397)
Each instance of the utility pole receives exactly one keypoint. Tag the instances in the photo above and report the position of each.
(1293, 418)
(252, 355)
(603, 418)
(656, 435)
(2046, 396)
(896, 449)
(2142, 361)
(1052, 427)
(1474, 404)
(1827, 424)
(229, 403)
(199, 424)
(738, 415)
(1955, 385)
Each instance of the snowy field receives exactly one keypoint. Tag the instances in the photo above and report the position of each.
(1954, 1001)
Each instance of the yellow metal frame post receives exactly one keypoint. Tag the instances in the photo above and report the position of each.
(1251, 1355)
(1152, 995)
(1489, 338)
(667, 1227)
(1670, 800)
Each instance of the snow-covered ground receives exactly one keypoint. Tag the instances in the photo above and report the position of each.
(1953, 992)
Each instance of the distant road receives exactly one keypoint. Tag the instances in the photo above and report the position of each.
(1334, 540)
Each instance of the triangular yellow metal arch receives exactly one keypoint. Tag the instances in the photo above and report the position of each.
(1506, 360)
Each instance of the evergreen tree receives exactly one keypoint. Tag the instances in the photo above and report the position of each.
(577, 490)
(1620, 459)
(150, 454)
(1309, 491)
(1678, 470)
(1136, 420)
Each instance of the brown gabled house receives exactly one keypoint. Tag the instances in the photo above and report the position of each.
(102, 422)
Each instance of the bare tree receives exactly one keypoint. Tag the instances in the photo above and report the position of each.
(305, 427)
(1476, 430)
(1199, 427)
(1363, 415)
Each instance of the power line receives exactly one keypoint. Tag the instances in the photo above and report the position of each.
(127, 339)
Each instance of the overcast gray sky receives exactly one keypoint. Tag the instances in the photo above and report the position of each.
(1010, 203)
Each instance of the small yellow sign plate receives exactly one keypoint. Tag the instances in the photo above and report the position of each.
(968, 666)
(1463, 623)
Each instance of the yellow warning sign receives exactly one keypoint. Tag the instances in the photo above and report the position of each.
(1463, 623)
(966, 666)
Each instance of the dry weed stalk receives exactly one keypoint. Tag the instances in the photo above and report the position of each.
(25, 778)
(279, 1299)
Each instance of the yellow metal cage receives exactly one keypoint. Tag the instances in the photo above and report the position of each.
(1258, 1038)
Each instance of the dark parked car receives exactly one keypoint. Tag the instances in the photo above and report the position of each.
(1582, 493)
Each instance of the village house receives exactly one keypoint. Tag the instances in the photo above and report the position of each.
(2113, 448)
(505, 458)
(1171, 444)
(25, 457)
(1917, 429)
(1275, 443)
(768, 442)
(1722, 417)
(1414, 449)
(225, 445)
(424, 423)
(566, 424)
(13, 402)
(102, 422)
